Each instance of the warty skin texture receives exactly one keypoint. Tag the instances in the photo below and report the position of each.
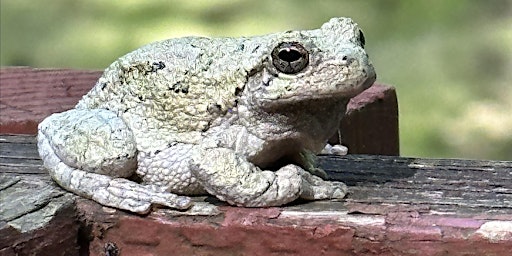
(238, 118)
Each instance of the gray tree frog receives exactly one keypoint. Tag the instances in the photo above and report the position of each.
(237, 118)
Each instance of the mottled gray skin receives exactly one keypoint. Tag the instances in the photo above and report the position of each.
(200, 115)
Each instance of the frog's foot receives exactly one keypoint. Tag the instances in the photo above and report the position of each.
(233, 179)
(85, 150)
(337, 149)
(127, 195)
(315, 188)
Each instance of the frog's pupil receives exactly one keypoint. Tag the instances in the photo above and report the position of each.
(289, 55)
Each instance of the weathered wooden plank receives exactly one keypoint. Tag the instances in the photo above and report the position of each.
(440, 183)
(372, 179)
(6, 138)
(18, 155)
(20, 150)
(23, 169)
(36, 216)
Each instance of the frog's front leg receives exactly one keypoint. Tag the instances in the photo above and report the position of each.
(234, 179)
(90, 152)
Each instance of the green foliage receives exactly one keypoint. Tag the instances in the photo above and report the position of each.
(449, 59)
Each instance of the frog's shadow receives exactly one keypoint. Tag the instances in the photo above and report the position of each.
(357, 170)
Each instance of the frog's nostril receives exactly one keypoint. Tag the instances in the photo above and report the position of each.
(347, 59)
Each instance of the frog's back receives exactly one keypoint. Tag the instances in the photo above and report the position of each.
(176, 85)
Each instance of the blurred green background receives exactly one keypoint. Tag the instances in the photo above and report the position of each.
(450, 60)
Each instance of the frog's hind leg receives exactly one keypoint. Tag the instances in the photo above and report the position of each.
(90, 152)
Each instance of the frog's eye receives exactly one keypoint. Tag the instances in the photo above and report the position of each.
(290, 57)
(361, 38)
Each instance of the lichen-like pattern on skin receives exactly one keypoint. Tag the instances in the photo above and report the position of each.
(238, 118)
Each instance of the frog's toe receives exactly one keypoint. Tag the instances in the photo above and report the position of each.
(315, 188)
(172, 201)
(127, 195)
(337, 149)
(339, 190)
